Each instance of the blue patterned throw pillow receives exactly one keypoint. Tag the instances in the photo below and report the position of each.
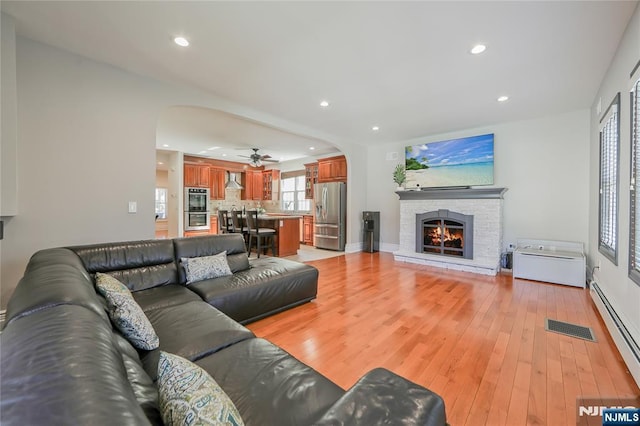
(126, 314)
(206, 267)
(190, 396)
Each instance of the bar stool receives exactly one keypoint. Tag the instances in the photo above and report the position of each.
(259, 233)
(224, 226)
(237, 225)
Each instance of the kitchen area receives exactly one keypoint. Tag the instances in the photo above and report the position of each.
(306, 205)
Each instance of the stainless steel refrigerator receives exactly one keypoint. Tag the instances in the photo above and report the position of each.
(331, 215)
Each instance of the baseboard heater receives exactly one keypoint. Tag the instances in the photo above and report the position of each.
(627, 346)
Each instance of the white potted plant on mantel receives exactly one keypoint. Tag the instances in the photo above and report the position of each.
(400, 176)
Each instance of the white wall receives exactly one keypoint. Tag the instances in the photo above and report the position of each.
(86, 146)
(8, 140)
(544, 163)
(613, 279)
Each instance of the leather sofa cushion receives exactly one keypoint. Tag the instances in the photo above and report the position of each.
(137, 264)
(54, 277)
(269, 386)
(380, 396)
(272, 284)
(211, 245)
(195, 329)
(164, 296)
(49, 376)
(144, 388)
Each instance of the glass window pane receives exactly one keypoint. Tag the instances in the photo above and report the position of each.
(288, 184)
(608, 215)
(161, 202)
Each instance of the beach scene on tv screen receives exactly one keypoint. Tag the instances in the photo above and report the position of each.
(452, 163)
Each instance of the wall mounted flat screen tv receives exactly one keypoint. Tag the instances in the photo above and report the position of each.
(460, 162)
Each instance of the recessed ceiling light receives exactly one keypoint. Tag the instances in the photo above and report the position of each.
(166, 145)
(478, 49)
(160, 163)
(312, 148)
(181, 41)
(503, 98)
(375, 128)
(224, 155)
(213, 148)
(324, 104)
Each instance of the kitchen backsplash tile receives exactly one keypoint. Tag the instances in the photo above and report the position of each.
(233, 199)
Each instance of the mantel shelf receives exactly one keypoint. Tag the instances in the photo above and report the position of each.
(453, 194)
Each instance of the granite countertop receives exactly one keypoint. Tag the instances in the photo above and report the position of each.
(276, 216)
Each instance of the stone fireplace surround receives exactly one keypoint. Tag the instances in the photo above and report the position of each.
(485, 204)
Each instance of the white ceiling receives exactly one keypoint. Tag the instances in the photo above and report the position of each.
(215, 134)
(404, 66)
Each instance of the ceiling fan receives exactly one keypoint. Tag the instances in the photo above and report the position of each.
(257, 159)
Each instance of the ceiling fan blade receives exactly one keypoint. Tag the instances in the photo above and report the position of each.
(266, 156)
(270, 161)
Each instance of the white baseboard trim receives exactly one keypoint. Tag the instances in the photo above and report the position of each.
(353, 247)
(628, 347)
(390, 248)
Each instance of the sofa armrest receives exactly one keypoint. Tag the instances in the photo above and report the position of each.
(382, 397)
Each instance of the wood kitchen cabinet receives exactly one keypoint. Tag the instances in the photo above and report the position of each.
(333, 169)
(307, 230)
(252, 184)
(270, 185)
(310, 179)
(216, 183)
(214, 224)
(196, 175)
(212, 230)
(195, 233)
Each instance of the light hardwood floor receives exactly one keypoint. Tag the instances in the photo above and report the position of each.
(480, 342)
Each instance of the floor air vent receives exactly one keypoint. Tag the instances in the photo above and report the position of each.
(569, 329)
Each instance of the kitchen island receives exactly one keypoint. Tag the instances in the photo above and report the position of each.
(287, 228)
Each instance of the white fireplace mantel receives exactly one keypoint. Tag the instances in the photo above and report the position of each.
(485, 204)
(453, 194)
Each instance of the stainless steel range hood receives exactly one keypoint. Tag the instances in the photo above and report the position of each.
(232, 183)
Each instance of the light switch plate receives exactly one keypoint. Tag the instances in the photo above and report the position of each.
(133, 207)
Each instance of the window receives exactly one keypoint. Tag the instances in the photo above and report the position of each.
(161, 203)
(634, 234)
(609, 161)
(293, 194)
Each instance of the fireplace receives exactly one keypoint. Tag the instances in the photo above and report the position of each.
(446, 233)
(479, 210)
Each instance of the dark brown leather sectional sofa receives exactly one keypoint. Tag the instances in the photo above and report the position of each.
(64, 363)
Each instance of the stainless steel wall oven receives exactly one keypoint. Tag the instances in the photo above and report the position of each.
(196, 209)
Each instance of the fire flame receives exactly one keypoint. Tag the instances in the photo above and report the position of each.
(437, 236)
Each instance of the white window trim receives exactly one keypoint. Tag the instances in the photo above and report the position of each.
(609, 248)
(296, 192)
(166, 203)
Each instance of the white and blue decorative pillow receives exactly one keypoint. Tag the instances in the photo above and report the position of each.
(126, 314)
(206, 267)
(190, 396)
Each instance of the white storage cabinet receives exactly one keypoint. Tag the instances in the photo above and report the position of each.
(559, 262)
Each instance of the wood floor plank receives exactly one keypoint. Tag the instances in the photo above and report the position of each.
(478, 341)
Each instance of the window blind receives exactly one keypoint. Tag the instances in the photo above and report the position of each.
(634, 234)
(609, 146)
